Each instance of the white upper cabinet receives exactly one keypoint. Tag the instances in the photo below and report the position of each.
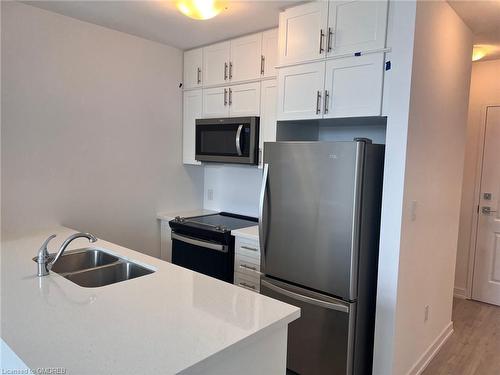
(216, 102)
(232, 101)
(355, 26)
(216, 63)
(269, 58)
(300, 91)
(193, 60)
(244, 99)
(245, 62)
(192, 110)
(268, 104)
(353, 86)
(302, 32)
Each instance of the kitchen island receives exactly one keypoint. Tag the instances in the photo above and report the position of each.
(173, 321)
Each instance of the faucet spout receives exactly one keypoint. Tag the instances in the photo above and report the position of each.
(44, 262)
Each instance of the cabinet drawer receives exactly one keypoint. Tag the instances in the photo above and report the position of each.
(248, 248)
(247, 282)
(248, 266)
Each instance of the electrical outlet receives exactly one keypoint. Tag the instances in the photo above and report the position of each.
(210, 194)
(426, 313)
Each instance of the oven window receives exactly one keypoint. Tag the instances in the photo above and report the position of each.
(221, 139)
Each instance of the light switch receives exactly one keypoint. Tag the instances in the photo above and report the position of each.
(413, 210)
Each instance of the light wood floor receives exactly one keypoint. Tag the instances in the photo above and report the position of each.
(474, 347)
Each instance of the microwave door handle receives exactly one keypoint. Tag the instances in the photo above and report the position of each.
(238, 140)
(262, 219)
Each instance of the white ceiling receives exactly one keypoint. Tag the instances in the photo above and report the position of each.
(483, 18)
(161, 22)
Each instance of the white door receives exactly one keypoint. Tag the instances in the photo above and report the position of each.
(216, 102)
(353, 86)
(486, 284)
(192, 110)
(244, 100)
(268, 101)
(269, 53)
(300, 90)
(302, 32)
(216, 63)
(193, 68)
(245, 59)
(356, 26)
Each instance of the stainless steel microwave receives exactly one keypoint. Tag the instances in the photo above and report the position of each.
(228, 140)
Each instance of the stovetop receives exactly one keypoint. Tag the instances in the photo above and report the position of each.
(221, 222)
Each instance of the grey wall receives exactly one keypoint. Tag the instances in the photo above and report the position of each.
(91, 129)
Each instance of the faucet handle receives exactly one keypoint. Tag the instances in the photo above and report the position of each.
(43, 252)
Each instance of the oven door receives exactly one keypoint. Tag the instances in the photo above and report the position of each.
(206, 257)
(228, 140)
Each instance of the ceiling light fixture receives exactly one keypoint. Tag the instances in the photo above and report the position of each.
(200, 9)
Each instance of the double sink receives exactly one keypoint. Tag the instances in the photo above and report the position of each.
(91, 268)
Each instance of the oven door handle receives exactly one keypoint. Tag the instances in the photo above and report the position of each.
(201, 243)
(238, 140)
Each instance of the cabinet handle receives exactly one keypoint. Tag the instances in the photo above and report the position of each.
(318, 102)
(330, 36)
(247, 285)
(327, 96)
(262, 61)
(230, 70)
(248, 267)
(225, 97)
(225, 71)
(198, 76)
(249, 248)
(321, 36)
(230, 97)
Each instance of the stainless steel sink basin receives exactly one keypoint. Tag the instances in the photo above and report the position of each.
(77, 260)
(93, 268)
(106, 275)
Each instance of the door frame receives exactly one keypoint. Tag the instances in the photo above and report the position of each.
(477, 192)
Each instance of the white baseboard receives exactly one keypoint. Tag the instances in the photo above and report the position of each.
(432, 350)
(460, 293)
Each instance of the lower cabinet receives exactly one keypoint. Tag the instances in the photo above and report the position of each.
(192, 108)
(247, 264)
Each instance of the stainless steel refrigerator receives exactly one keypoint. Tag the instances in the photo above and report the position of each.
(319, 232)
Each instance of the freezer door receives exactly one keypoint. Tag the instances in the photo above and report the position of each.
(320, 342)
(310, 214)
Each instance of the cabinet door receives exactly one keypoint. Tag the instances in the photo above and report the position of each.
(356, 26)
(353, 86)
(269, 53)
(192, 68)
(245, 58)
(192, 107)
(216, 63)
(216, 102)
(302, 32)
(268, 104)
(244, 100)
(300, 90)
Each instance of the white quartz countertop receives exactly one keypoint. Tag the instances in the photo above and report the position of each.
(162, 323)
(251, 233)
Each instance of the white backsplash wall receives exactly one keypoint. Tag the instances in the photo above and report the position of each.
(232, 188)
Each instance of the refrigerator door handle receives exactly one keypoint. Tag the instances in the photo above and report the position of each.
(306, 299)
(262, 220)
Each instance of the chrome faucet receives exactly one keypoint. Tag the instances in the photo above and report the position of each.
(44, 261)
